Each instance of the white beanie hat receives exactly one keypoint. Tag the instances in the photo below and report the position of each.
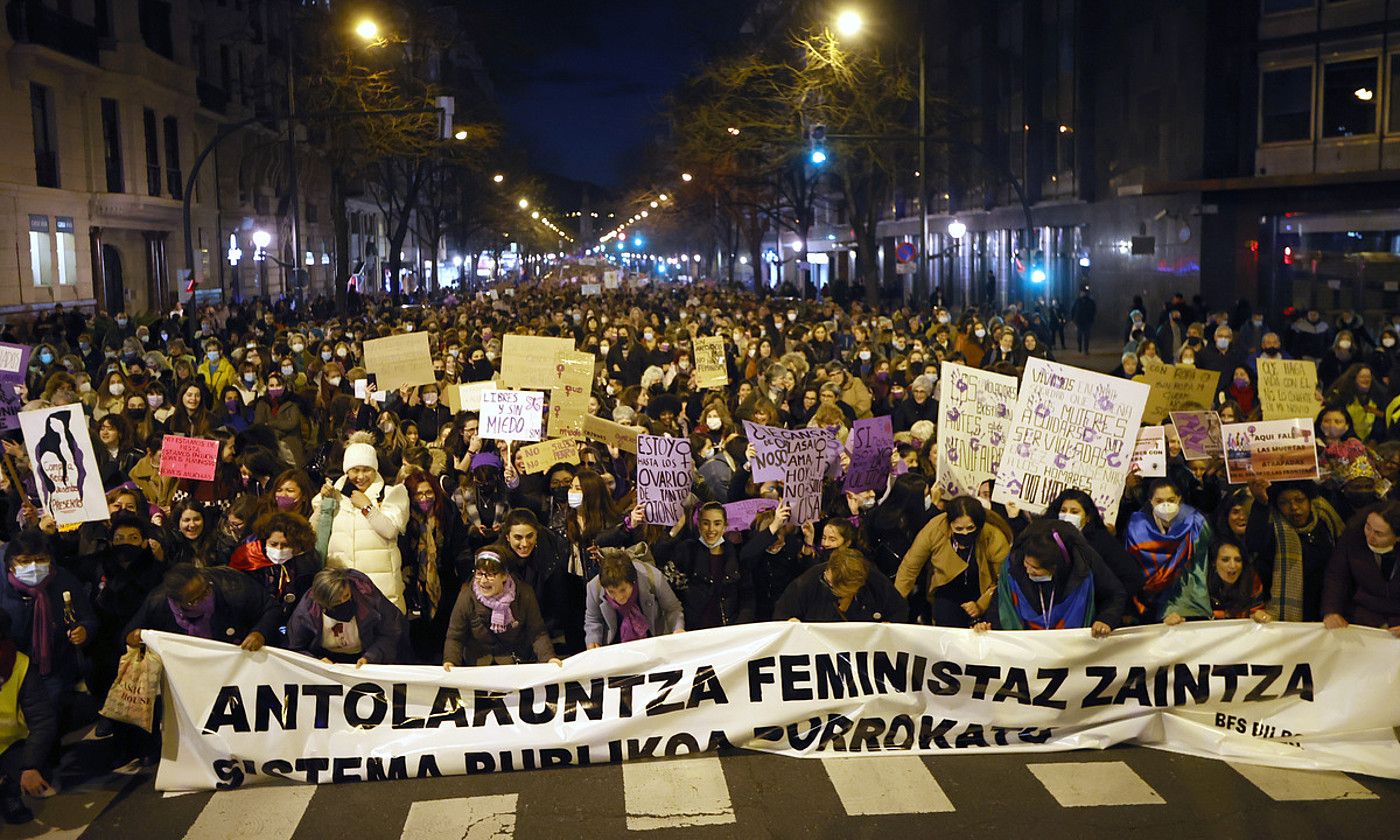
(360, 455)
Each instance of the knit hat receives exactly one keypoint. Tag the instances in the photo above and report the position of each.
(486, 459)
(359, 452)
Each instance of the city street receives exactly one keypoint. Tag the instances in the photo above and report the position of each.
(1081, 794)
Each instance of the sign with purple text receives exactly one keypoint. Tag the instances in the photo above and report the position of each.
(1275, 450)
(64, 463)
(185, 457)
(1150, 453)
(1071, 428)
(1200, 434)
(14, 362)
(871, 441)
(740, 514)
(799, 458)
(974, 416)
(663, 477)
(512, 415)
(10, 406)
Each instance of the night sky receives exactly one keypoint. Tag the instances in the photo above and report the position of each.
(582, 85)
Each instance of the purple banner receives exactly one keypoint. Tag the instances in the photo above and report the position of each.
(10, 405)
(871, 443)
(14, 362)
(741, 514)
(663, 477)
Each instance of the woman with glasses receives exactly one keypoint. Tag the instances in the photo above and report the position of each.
(496, 620)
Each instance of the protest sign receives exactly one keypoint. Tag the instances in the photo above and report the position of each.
(361, 388)
(711, 370)
(185, 457)
(1229, 690)
(871, 442)
(10, 406)
(512, 415)
(1276, 450)
(1071, 428)
(740, 515)
(1288, 389)
(531, 361)
(663, 477)
(974, 417)
(590, 289)
(799, 458)
(1150, 452)
(1200, 434)
(399, 360)
(538, 457)
(568, 395)
(611, 434)
(469, 394)
(14, 362)
(1177, 388)
(612, 278)
(65, 466)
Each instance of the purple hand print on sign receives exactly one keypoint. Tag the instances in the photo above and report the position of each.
(996, 438)
(1002, 410)
(954, 414)
(974, 444)
(952, 455)
(1042, 411)
(1014, 486)
(1061, 460)
(1089, 435)
(1113, 460)
(1023, 449)
(1105, 403)
(960, 383)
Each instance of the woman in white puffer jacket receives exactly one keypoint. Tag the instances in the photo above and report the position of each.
(361, 520)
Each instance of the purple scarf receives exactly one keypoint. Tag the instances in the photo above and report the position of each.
(201, 626)
(41, 633)
(501, 618)
(634, 622)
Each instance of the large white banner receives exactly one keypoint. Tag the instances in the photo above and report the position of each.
(1072, 428)
(65, 465)
(974, 416)
(1282, 694)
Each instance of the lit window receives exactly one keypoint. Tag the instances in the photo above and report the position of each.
(1348, 98)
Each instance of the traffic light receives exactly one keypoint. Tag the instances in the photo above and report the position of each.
(817, 142)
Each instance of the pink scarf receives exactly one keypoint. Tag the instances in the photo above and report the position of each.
(634, 622)
(41, 632)
(501, 618)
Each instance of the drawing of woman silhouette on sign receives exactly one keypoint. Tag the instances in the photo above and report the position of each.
(61, 468)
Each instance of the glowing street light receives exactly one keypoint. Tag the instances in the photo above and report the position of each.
(498, 178)
(654, 205)
(848, 23)
(956, 229)
(535, 214)
(262, 238)
(686, 176)
(367, 30)
(662, 196)
(460, 134)
(524, 204)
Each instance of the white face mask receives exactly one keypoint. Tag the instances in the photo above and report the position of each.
(430, 399)
(279, 555)
(1387, 342)
(1344, 345)
(297, 348)
(714, 544)
(865, 355)
(575, 498)
(1040, 578)
(980, 333)
(334, 381)
(31, 574)
(1166, 511)
(1074, 519)
(713, 423)
(117, 389)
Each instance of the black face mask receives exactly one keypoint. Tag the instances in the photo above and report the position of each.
(343, 612)
(127, 555)
(560, 494)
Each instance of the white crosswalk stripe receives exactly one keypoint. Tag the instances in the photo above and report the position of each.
(886, 785)
(267, 812)
(688, 792)
(1093, 783)
(468, 818)
(1285, 785)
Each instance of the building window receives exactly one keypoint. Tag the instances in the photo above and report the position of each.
(112, 145)
(174, 184)
(1274, 7)
(67, 251)
(45, 135)
(152, 152)
(1349, 98)
(155, 27)
(40, 251)
(1285, 105)
(1393, 124)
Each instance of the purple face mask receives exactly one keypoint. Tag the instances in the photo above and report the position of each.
(286, 502)
(232, 405)
(425, 505)
(276, 393)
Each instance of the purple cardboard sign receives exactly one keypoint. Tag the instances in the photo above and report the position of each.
(14, 361)
(872, 441)
(1200, 434)
(741, 514)
(10, 405)
(663, 477)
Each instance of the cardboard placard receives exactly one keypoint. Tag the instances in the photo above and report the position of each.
(611, 434)
(400, 360)
(529, 361)
(871, 442)
(711, 370)
(612, 278)
(799, 458)
(974, 417)
(538, 457)
(741, 514)
(590, 289)
(1277, 450)
(469, 394)
(663, 477)
(1150, 452)
(64, 464)
(1177, 388)
(10, 407)
(1288, 389)
(14, 362)
(512, 415)
(184, 457)
(1200, 434)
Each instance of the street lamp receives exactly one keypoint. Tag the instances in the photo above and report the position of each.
(498, 178)
(524, 204)
(848, 23)
(686, 176)
(956, 229)
(460, 134)
(367, 29)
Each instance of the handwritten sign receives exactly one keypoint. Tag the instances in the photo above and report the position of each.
(590, 289)
(14, 362)
(799, 458)
(469, 393)
(1288, 389)
(64, 463)
(741, 514)
(612, 279)
(711, 371)
(400, 360)
(184, 457)
(1071, 428)
(611, 434)
(1150, 452)
(512, 415)
(974, 418)
(1177, 388)
(568, 397)
(663, 477)
(10, 405)
(871, 441)
(1200, 434)
(529, 361)
(1277, 450)
(538, 457)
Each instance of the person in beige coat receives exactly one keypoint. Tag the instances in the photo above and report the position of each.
(966, 545)
(361, 519)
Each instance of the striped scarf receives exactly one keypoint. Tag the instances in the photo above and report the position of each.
(1016, 611)
(1166, 558)
(1286, 588)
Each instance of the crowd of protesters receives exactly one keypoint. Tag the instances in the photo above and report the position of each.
(361, 527)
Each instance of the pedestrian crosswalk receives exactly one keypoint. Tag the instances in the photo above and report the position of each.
(719, 794)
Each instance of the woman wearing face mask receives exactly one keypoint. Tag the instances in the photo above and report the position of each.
(1053, 580)
(1235, 588)
(111, 395)
(965, 546)
(1365, 400)
(496, 620)
(430, 414)
(1077, 508)
(718, 589)
(1342, 355)
(249, 383)
(32, 593)
(1337, 442)
(1363, 576)
(232, 413)
(1382, 359)
(364, 518)
(281, 558)
(1003, 351)
(345, 618)
(437, 560)
(281, 413)
(1169, 540)
(291, 492)
(484, 498)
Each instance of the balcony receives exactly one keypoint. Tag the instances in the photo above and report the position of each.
(30, 22)
(211, 97)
